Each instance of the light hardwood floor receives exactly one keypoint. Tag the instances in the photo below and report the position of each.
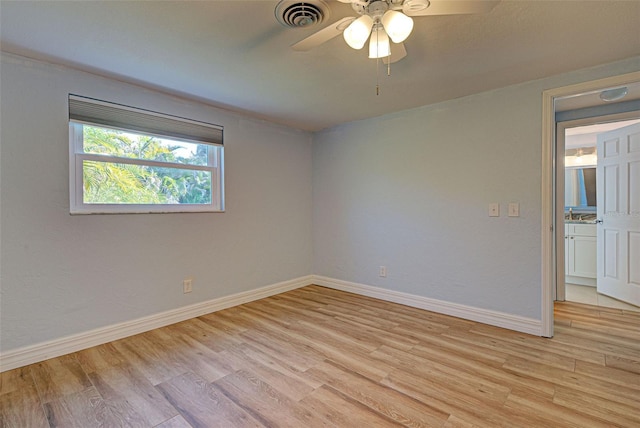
(318, 357)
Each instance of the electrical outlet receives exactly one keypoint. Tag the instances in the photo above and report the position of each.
(383, 271)
(187, 285)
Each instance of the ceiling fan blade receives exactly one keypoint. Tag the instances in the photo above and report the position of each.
(398, 51)
(324, 35)
(456, 7)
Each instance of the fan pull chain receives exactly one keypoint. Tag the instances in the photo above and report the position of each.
(377, 76)
(378, 64)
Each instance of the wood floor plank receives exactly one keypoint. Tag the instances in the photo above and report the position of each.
(551, 414)
(363, 331)
(342, 411)
(586, 339)
(99, 357)
(427, 322)
(456, 422)
(542, 344)
(341, 350)
(128, 393)
(175, 422)
(446, 377)
(319, 343)
(226, 321)
(22, 408)
(628, 364)
(505, 346)
(196, 356)
(609, 328)
(466, 407)
(288, 383)
(494, 374)
(203, 405)
(83, 409)
(149, 357)
(58, 377)
(16, 379)
(358, 317)
(579, 382)
(384, 310)
(378, 397)
(618, 376)
(621, 317)
(341, 335)
(295, 353)
(203, 330)
(624, 415)
(285, 306)
(253, 354)
(265, 403)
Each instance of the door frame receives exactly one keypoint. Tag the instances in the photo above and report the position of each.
(549, 223)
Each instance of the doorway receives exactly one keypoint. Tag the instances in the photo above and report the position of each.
(549, 220)
(577, 246)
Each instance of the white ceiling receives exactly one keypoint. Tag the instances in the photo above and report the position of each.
(587, 136)
(236, 55)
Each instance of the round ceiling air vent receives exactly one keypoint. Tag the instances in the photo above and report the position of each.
(300, 14)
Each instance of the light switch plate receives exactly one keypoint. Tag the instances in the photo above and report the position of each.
(514, 209)
(494, 209)
(382, 272)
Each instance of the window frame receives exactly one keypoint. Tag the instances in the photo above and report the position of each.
(77, 155)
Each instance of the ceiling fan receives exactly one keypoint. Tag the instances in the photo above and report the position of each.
(379, 21)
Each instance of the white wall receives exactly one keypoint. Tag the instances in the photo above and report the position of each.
(63, 274)
(410, 191)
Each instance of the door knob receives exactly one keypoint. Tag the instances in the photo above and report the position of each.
(598, 221)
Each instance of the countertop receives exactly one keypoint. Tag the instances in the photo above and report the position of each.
(580, 219)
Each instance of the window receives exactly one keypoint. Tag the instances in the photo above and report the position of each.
(128, 160)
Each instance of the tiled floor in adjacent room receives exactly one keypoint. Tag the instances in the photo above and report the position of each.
(589, 296)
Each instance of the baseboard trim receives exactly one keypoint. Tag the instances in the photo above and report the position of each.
(485, 316)
(43, 351)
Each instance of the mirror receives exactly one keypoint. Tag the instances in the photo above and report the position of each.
(580, 188)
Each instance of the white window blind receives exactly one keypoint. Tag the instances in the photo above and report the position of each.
(96, 112)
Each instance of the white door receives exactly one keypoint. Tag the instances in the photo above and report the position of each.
(618, 201)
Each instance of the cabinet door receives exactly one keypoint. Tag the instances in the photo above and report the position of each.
(582, 256)
(582, 229)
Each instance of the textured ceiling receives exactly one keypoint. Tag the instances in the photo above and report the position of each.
(236, 55)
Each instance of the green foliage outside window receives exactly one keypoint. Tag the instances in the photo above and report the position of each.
(107, 182)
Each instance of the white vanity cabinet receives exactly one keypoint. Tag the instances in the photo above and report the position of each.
(580, 253)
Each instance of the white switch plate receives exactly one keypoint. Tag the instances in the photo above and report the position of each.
(494, 209)
(514, 209)
(383, 271)
(187, 285)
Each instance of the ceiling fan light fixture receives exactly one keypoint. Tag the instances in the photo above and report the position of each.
(357, 33)
(397, 25)
(379, 46)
